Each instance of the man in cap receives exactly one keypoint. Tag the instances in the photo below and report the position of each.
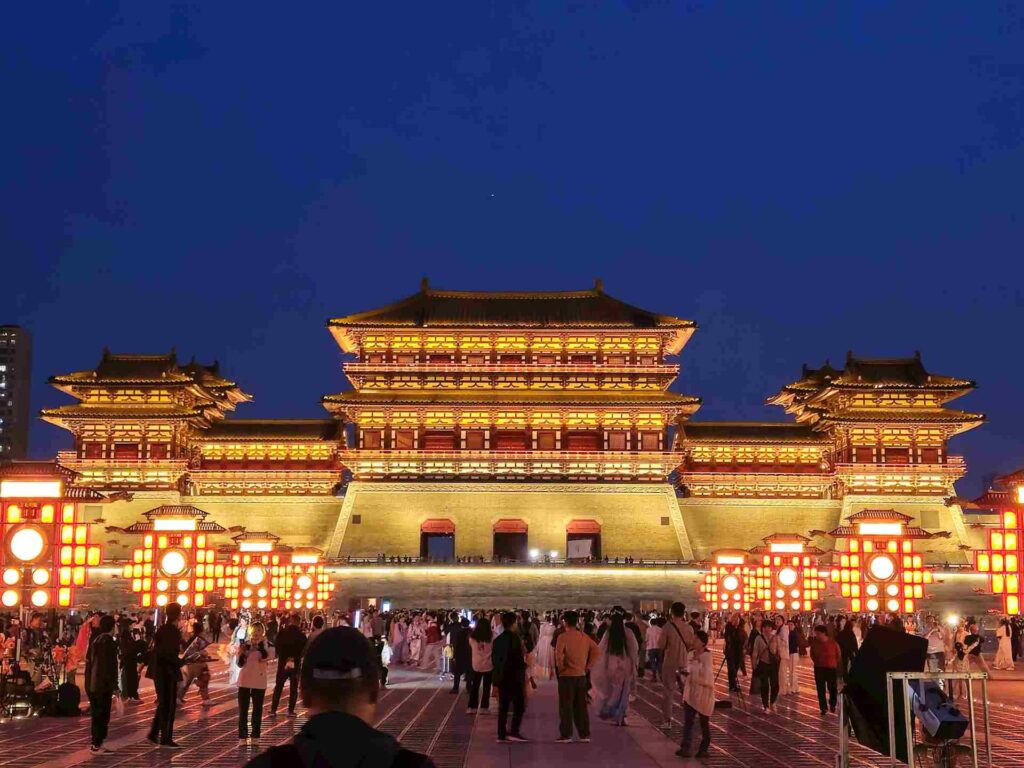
(339, 681)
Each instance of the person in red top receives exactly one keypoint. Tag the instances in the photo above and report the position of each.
(825, 656)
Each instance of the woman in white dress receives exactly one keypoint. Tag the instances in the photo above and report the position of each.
(1004, 651)
(544, 667)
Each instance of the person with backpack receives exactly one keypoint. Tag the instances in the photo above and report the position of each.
(101, 681)
(340, 684)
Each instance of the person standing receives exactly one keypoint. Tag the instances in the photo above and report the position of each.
(480, 676)
(698, 697)
(133, 653)
(735, 649)
(796, 642)
(196, 666)
(509, 676)
(462, 654)
(290, 644)
(1004, 653)
(101, 681)
(165, 672)
(936, 646)
(575, 654)
(253, 655)
(825, 656)
(675, 644)
(617, 670)
(764, 660)
(651, 643)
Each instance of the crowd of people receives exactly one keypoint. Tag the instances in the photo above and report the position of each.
(596, 658)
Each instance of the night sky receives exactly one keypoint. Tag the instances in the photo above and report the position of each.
(798, 178)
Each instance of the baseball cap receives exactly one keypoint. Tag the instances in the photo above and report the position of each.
(339, 653)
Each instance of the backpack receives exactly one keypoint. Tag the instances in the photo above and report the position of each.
(69, 700)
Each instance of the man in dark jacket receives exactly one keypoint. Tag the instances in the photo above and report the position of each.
(101, 681)
(290, 644)
(462, 654)
(165, 672)
(509, 678)
(340, 684)
(735, 647)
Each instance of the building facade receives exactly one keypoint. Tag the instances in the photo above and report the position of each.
(509, 426)
(15, 386)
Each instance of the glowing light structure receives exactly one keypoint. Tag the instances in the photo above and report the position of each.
(1002, 559)
(787, 577)
(46, 549)
(305, 585)
(256, 576)
(730, 584)
(175, 562)
(879, 571)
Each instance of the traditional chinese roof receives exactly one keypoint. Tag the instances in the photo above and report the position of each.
(883, 516)
(163, 370)
(549, 310)
(176, 511)
(750, 432)
(50, 470)
(764, 549)
(256, 536)
(88, 411)
(538, 398)
(274, 429)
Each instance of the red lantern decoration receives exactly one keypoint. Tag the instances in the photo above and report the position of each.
(304, 584)
(175, 562)
(730, 583)
(787, 577)
(879, 571)
(1002, 559)
(250, 581)
(46, 550)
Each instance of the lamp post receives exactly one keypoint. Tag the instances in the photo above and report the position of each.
(1002, 559)
(730, 582)
(879, 571)
(787, 577)
(46, 549)
(175, 562)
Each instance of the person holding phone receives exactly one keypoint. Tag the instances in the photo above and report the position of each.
(253, 654)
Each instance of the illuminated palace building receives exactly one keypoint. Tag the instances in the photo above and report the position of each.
(490, 425)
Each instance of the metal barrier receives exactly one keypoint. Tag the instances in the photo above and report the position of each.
(844, 728)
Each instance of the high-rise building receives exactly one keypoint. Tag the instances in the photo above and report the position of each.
(15, 377)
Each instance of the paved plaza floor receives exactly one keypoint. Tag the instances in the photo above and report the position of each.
(419, 710)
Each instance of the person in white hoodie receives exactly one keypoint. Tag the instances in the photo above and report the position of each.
(698, 697)
(252, 656)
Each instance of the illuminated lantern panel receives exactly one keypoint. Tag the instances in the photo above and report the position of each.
(787, 578)
(728, 586)
(45, 544)
(1002, 559)
(247, 580)
(880, 571)
(175, 562)
(303, 584)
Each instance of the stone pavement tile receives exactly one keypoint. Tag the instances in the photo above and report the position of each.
(636, 746)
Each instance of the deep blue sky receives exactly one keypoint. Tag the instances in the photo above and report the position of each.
(799, 178)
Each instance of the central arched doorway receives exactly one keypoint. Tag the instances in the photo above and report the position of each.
(437, 540)
(511, 541)
(583, 540)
